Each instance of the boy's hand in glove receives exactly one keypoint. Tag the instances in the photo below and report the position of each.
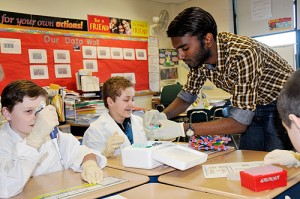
(283, 157)
(45, 122)
(91, 172)
(113, 143)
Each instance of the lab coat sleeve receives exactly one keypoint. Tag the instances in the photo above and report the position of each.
(18, 162)
(73, 153)
(93, 139)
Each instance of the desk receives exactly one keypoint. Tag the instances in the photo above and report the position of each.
(68, 178)
(162, 191)
(194, 178)
(116, 163)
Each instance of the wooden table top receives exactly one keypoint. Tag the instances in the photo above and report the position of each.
(116, 163)
(194, 178)
(163, 191)
(68, 178)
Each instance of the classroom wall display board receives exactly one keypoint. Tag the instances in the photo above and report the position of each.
(261, 17)
(54, 57)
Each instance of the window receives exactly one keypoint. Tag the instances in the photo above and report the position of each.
(280, 39)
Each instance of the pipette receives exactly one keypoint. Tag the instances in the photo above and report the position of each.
(54, 136)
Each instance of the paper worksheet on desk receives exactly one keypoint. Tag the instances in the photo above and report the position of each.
(223, 170)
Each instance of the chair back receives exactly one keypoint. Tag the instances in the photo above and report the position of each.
(169, 94)
(160, 107)
(218, 112)
(198, 115)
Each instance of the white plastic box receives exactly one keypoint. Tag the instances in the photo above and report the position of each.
(140, 155)
(149, 157)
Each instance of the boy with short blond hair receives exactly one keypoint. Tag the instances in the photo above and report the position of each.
(118, 127)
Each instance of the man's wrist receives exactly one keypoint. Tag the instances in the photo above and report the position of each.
(166, 114)
(190, 130)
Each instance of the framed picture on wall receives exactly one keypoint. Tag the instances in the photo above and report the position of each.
(116, 53)
(128, 54)
(140, 54)
(90, 64)
(61, 56)
(62, 70)
(39, 72)
(117, 75)
(130, 77)
(103, 52)
(89, 52)
(168, 73)
(10, 46)
(168, 57)
(37, 56)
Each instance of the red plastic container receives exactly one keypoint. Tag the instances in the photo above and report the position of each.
(263, 178)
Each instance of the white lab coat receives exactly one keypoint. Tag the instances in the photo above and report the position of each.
(103, 128)
(19, 161)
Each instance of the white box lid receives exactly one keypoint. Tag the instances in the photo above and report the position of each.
(179, 157)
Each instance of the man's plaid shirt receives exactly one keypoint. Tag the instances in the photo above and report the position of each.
(250, 71)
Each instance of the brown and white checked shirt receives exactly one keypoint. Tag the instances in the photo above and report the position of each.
(250, 71)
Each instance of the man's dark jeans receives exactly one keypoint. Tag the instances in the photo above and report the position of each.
(266, 132)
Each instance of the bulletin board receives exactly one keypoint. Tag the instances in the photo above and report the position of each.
(255, 21)
(17, 66)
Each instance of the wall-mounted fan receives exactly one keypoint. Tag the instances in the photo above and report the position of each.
(160, 23)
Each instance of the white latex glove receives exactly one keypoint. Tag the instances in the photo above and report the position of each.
(91, 172)
(113, 143)
(151, 118)
(45, 122)
(282, 157)
(168, 130)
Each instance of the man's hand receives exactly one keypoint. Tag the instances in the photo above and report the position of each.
(151, 118)
(113, 143)
(91, 172)
(282, 157)
(45, 122)
(167, 130)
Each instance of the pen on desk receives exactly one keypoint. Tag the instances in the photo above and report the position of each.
(53, 134)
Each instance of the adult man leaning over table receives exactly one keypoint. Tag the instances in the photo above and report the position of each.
(250, 71)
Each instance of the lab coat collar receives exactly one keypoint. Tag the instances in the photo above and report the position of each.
(12, 133)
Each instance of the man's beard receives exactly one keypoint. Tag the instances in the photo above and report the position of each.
(199, 59)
